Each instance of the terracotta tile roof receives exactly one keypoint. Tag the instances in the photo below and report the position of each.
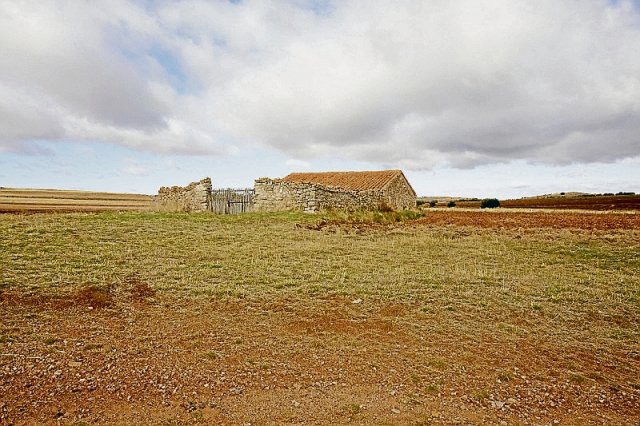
(347, 180)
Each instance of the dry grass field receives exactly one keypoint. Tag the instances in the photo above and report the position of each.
(47, 200)
(458, 317)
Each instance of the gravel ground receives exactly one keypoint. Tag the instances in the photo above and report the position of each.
(134, 357)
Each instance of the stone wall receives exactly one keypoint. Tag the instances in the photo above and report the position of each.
(399, 195)
(195, 197)
(277, 195)
(342, 199)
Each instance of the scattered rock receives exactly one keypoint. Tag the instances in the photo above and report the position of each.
(497, 404)
(237, 390)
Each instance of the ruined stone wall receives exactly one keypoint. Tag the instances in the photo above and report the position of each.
(277, 195)
(341, 199)
(398, 194)
(194, 197)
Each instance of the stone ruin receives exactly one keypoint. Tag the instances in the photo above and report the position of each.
(195, 197)
(278, 195)
(392, 192)
(308, 192)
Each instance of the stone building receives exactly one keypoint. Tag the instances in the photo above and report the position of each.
(311, 192)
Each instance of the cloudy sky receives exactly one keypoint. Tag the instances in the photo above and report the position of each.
(499, 98)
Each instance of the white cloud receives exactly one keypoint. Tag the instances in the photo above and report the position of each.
(135, 170)
(298, 164)
(632, 160)
(133, 167)
(405, 84)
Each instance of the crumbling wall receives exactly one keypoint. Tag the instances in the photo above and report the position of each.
(195, 197)
(277, 195)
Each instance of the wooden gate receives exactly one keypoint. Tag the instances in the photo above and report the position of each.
(231, 201)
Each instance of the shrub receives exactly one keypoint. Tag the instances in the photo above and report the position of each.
(489, 203)
(408, 215)
(420, 203)
(451, 204)
(432, 203)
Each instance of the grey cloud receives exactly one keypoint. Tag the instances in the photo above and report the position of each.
(555, 84)
(60, 68)
(411, 84)
(22, 118)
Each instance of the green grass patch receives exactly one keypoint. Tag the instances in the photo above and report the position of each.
(473, 276)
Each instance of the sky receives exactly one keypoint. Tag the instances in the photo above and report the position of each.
(477, 98)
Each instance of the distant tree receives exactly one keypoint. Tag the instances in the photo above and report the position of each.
(451, 204)
(489, 203)
(432, 203)
(420, 203)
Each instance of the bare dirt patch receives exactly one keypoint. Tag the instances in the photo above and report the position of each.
(323, 361)
(93, 297)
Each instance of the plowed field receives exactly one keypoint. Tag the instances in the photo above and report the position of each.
(596, 202)
(501, 219)
(52, 200)
(601, 202)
